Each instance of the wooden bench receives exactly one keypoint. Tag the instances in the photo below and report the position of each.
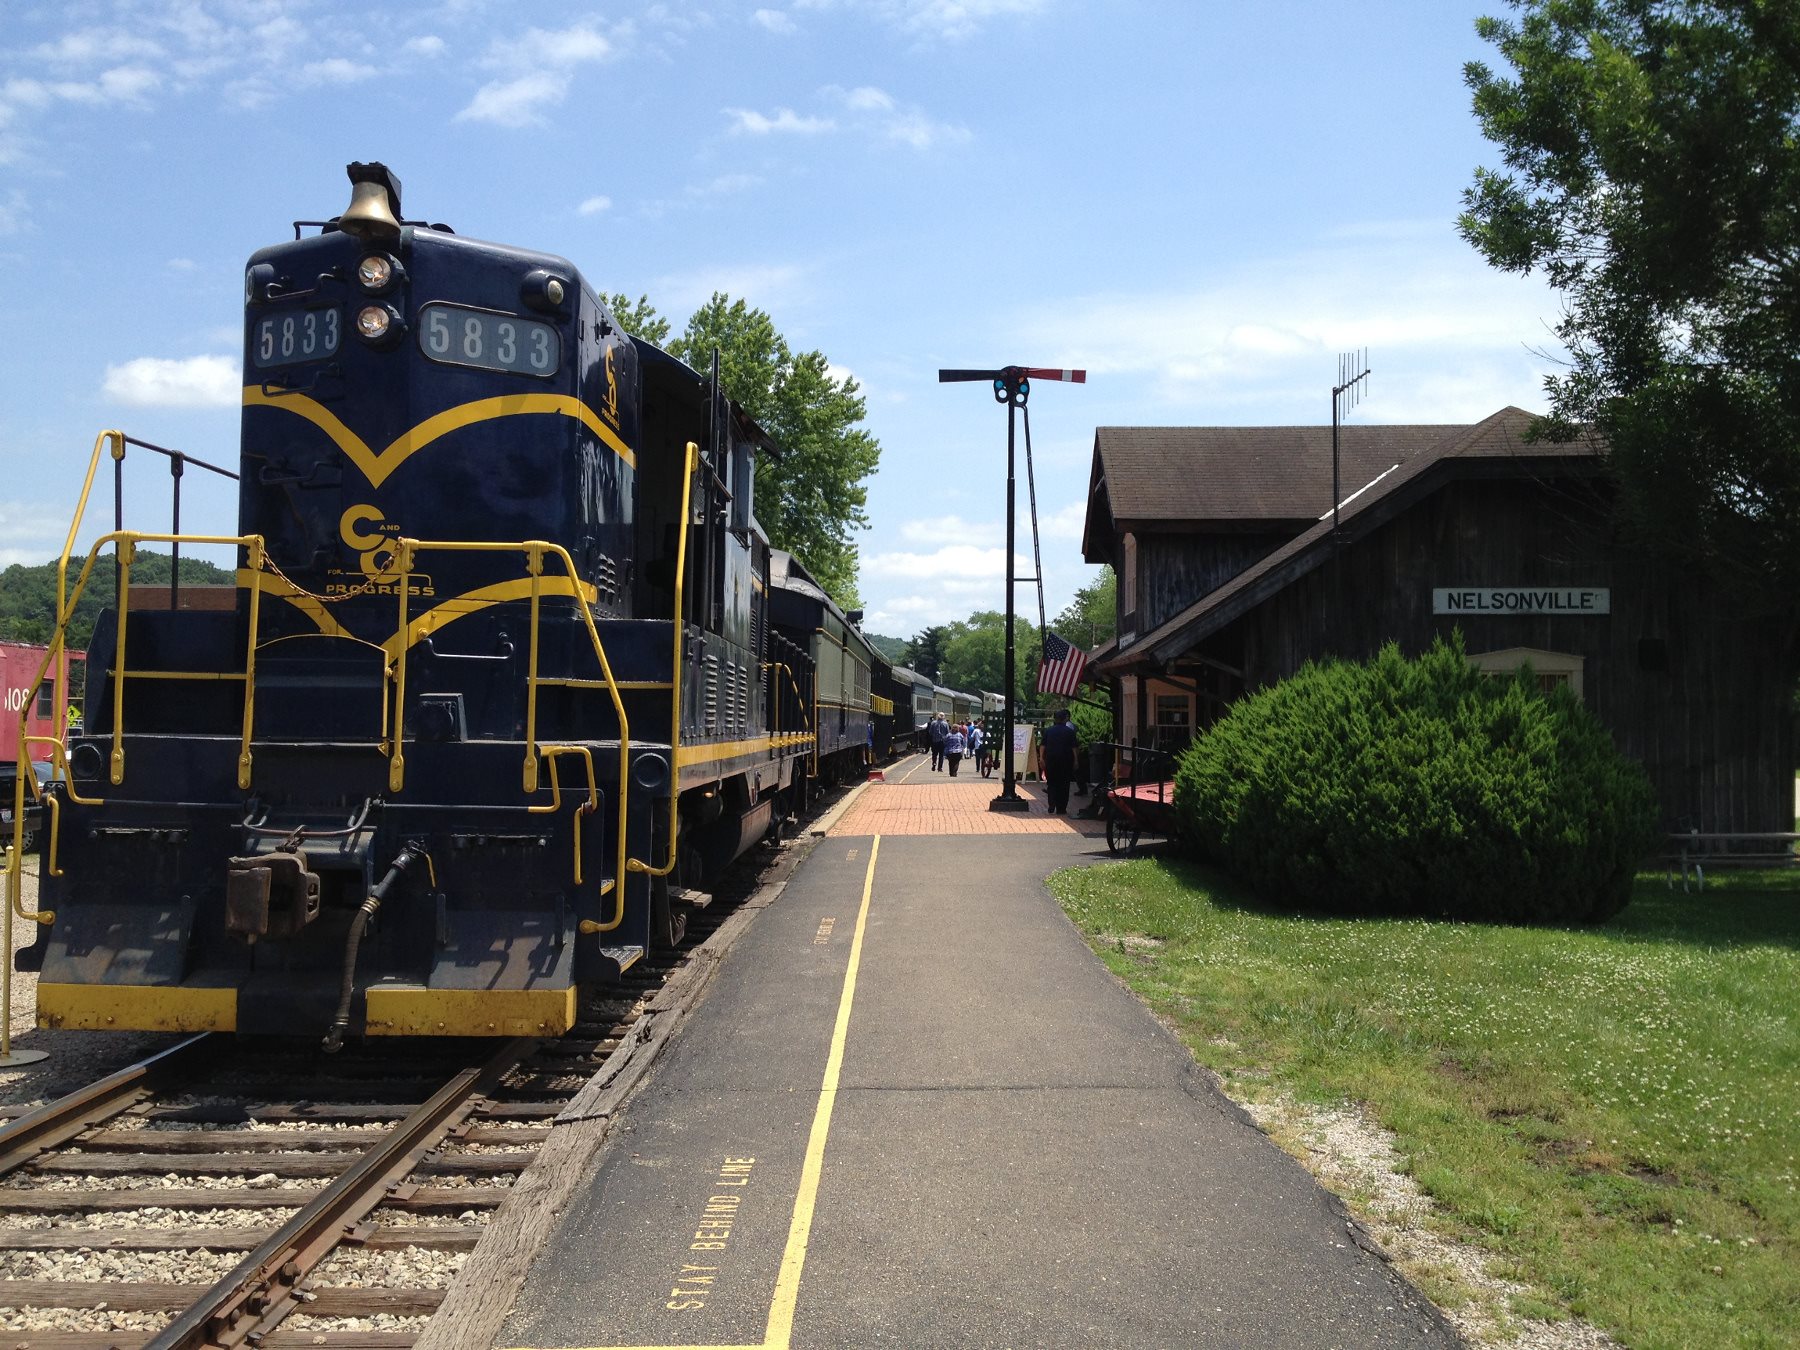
(1695, 851)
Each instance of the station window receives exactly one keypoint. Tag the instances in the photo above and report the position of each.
(1550, 669)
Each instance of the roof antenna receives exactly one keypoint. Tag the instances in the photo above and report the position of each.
(1354, 386)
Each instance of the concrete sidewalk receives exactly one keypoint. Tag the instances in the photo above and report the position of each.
(914, 1110)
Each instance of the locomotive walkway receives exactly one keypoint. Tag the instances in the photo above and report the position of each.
(913, 1110)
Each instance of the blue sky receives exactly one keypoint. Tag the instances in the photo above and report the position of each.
(1201, 203)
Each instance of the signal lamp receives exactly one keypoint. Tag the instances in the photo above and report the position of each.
(375, 272)
(543, 292)
(379, 325)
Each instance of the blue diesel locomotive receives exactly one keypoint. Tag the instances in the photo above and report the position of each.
(503, 686)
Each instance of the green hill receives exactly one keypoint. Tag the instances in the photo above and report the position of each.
(28, 594)
(892, 648)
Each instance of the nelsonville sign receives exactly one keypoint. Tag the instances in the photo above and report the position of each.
(1574, 600)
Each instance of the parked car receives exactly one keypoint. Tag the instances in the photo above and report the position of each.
(34, 806)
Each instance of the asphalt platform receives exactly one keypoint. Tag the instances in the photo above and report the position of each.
(912, 1109)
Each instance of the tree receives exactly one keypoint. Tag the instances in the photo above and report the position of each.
(975, 656)
(639, 318)
(1092, 617)
(811, 498)
(925, 653)
(1652, 166)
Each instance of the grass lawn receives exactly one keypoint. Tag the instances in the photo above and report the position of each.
(1613, 1112)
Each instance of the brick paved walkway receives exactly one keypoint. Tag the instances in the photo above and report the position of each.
(934, 803)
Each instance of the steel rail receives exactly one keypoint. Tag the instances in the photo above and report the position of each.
(264, 1287)
(56, 1123)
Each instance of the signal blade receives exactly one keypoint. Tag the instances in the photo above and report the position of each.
(958, 376)
(1066, 376)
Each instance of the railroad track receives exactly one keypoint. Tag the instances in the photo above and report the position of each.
(222, 1193)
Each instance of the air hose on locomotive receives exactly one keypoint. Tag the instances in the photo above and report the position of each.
(409, 854)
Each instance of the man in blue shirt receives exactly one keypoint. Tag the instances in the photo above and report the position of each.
(1059, 761)
(938, 729)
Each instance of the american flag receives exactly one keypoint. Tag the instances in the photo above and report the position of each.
(1061, 670)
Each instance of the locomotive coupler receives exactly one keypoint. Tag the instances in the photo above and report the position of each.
(270, 895)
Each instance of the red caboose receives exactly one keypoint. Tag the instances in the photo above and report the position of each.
(20, 663)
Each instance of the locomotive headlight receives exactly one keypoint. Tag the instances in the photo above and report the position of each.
(375, 272)
(379, 325)
(374, 321)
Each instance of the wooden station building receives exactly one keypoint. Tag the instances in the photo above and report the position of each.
(1232, 576)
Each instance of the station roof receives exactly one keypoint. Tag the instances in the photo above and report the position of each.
(1495, 445)
(1151, 477)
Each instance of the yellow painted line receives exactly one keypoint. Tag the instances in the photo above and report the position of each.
(378, 465)
(793, 1261)
(924, 760)
(779, 1333)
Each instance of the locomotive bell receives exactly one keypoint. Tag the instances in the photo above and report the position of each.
(374, 211)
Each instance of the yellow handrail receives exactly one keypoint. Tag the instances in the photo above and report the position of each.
(587, 808)
(393, 737)
(535, 550)
(675, 664)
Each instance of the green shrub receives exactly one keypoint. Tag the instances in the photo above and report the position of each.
(1425, 787)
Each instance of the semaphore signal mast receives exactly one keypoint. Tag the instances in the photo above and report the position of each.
(1012, 386)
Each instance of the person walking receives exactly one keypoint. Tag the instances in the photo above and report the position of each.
(975, 740)
(1059, 761)
(954, 745)
(938, 729)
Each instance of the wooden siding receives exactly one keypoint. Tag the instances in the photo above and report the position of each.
(1714, 727)
(1174, 570)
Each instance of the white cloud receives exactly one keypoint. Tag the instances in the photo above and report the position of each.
(864, 98)
(700, 194)
(935, 529)
(595, 206)
(541, 64)
(13, 212)
(430, 46)
(877, 111)
(775, 20)
(544, 48)
(921, 132)
(194, 382)
(33, 531)
(182, 265)
(767, 287)
(1067, 522)
(785, 121)
(1449, 337)
(515, 103)
(97, 46)
(952, 567)
(951, 20)
(121, 84)
(336, 71)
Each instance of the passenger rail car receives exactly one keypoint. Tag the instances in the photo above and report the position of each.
(838, 661)
(890, 699)
(496, 695)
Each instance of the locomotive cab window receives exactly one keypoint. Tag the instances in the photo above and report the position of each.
(458, 336)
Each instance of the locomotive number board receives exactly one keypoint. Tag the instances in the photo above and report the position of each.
(299, 335)
(478, 337)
